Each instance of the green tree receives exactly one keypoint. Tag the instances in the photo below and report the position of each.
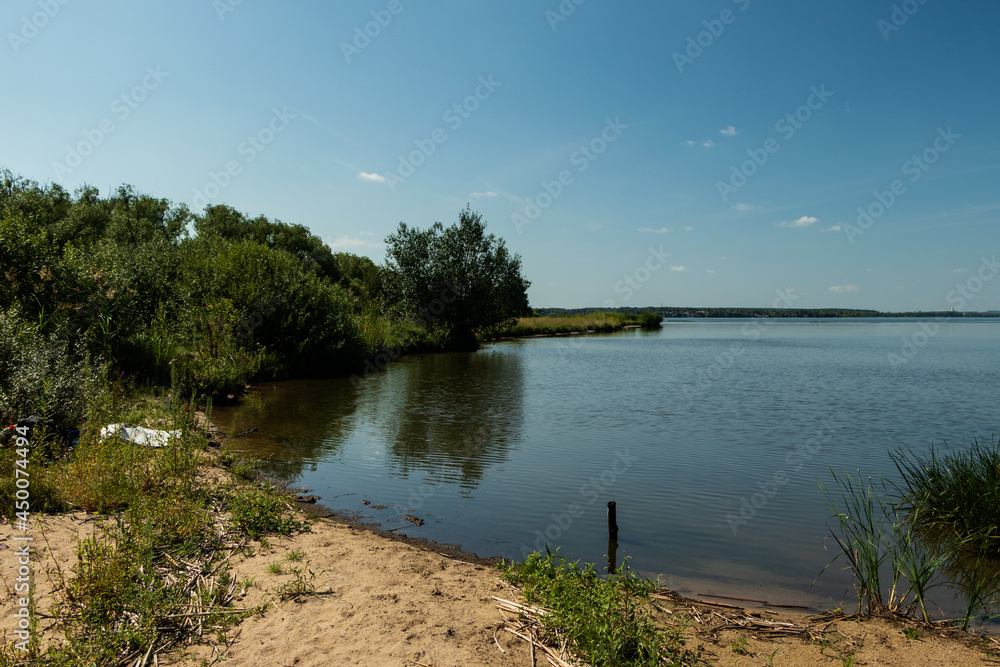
(460, 280)
(230, 224)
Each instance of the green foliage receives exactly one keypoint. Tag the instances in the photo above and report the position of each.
(301, 584)
(595, 322)
(604, 621)
(46, 497)
(359, 275)
(259, 510)
(458, 280)
(39, 374)
(116, 283)
(879, 532)
(956, 495)
(312, 253)
(650, 320)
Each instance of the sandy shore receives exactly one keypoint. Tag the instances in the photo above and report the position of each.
(383, 599)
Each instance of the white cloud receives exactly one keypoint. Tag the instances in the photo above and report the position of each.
(348, 242)
(843, 288)
(678, 268)
(478, 195)
(661, 230)
(708, 144)
(693, 142)
(959, 271)
(711, 271)
(689, 229)
(832, 228)
(804, 221)
(375, 178)
(744, 207)
(729, 131)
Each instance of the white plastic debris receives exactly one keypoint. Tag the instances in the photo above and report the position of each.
(139, 435)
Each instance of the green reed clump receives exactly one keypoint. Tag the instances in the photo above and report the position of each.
(955, 496)
(604, 621)
(897, 555)
(864, 535)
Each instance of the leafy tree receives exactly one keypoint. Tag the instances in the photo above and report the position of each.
(359, 274)
(459, 280)
(230, 224)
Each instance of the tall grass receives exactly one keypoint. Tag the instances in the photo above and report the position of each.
(955, 496)
(597, 322)
(938, 527)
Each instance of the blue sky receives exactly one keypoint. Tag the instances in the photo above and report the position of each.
(736, 136)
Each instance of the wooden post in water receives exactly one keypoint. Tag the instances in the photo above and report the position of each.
(612, 537)
(612, 521)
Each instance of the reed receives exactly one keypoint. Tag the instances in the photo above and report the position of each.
(901, 540)
(955, 496)
(596, 322)
(863, 536)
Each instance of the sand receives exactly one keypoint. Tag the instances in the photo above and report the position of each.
(398, 602)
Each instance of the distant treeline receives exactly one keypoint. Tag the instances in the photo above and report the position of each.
(672, 312)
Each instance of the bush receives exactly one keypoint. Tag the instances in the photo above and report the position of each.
(258, 511)
(603, 621)
(39, 375)
(650, 320)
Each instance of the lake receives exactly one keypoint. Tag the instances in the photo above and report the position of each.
(712, 437)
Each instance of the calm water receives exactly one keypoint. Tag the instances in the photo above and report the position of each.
(710, 435)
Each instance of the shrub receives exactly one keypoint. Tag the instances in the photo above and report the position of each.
(650, 320)
(39, 375)
(603, 621)
(257, 511)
